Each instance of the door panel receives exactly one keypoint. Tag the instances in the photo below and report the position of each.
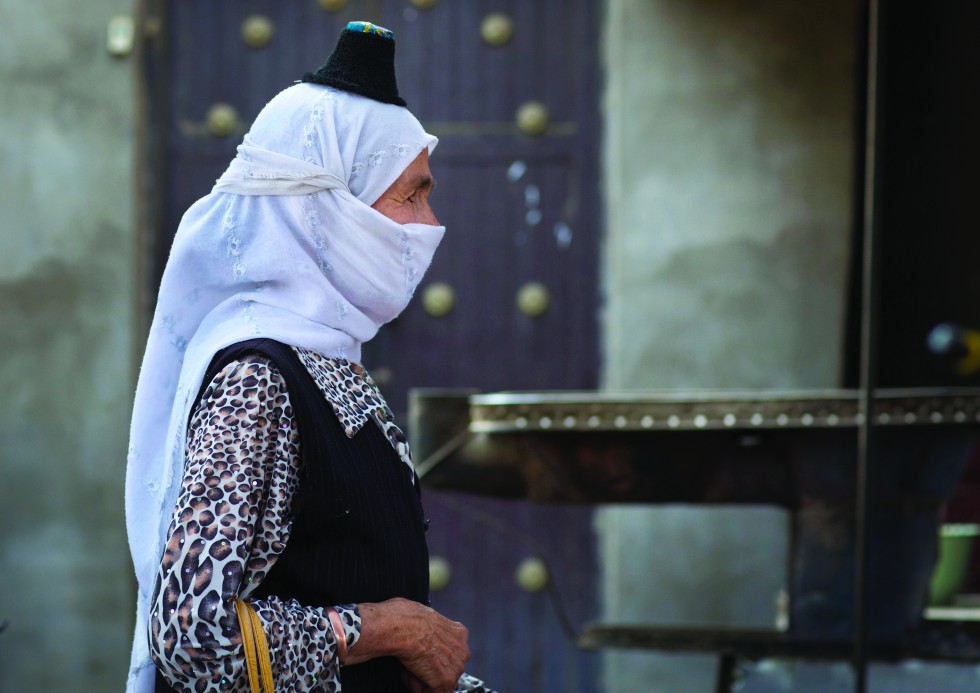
(516, 637)
(501, 229)
(518, 209)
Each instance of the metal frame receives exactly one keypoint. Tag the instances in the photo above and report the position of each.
(152, 159)
(769, 410)
(869, 338)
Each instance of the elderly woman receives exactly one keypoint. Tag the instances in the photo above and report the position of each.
(264, 464)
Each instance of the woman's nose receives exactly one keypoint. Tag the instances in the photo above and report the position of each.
(428, 217)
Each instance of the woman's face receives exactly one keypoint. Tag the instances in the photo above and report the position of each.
(407, 200)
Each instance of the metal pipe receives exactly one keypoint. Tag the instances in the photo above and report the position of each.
(869, 341)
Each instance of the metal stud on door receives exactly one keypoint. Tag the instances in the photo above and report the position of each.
(257, 31)
(222, 120)
(496, 29)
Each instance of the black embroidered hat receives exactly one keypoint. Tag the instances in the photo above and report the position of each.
(363, 62)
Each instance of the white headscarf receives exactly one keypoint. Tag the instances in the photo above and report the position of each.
(286, 246)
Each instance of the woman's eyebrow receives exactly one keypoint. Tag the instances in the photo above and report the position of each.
(424, 182)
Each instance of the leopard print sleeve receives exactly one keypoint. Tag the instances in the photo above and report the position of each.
(471, 684)
(241, 466)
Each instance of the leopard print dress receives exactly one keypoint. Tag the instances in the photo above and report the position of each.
(231, 523)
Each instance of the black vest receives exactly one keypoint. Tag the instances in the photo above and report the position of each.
(358, 530)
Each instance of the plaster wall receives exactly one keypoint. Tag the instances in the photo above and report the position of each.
(67, 278)
(728, 176)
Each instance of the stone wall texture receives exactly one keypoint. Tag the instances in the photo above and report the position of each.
(728, 176)
(67, 278)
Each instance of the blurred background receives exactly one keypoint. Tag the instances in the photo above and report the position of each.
(639, 195)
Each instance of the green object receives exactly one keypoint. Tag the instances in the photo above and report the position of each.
(955, 547)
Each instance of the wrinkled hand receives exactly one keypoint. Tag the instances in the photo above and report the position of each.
(439, 653)
(431, 647)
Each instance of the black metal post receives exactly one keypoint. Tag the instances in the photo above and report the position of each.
(869, 341)
(727, 664)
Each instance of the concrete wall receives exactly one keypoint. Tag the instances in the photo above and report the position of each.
(728, 174)
(67, 277)
(728, 169)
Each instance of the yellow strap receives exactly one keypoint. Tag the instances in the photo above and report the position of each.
(265, 659)
(257, 659)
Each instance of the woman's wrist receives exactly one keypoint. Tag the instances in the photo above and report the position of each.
(382, 631)
(339, 634)
(431, 647)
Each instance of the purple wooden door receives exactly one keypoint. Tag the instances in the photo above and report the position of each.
(520, 210)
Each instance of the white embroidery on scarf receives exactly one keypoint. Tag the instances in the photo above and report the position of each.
(159, 488)
(311, 139)
(411, 271)
(312, 215)
(247, 158)
(169, 325)
(238, 270)
(395, 151)
(248, 310)
(234, 244)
